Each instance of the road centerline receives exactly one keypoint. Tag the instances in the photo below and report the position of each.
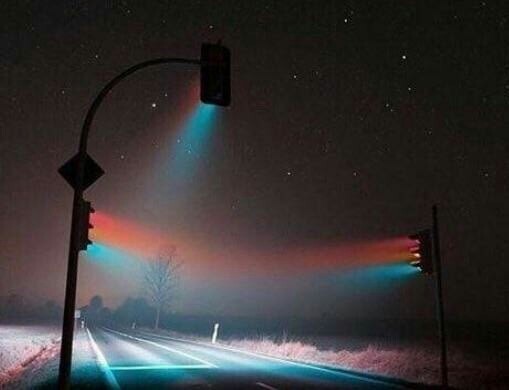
(160, 367)
(189, 356)
(265, 386)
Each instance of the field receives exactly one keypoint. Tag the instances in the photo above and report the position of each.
(24, 346)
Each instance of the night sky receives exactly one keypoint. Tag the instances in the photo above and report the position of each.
(348, 121)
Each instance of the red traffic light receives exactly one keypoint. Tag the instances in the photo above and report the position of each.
(421, 251)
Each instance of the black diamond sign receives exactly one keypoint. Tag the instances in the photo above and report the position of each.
(92, 171)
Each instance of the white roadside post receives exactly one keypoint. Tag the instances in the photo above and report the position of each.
(77, 316)
(214, 334)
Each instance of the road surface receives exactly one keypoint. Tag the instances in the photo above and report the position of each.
(144, 360)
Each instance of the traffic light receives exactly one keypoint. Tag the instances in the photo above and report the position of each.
(215, 74)
(422, 254)
(84, 224)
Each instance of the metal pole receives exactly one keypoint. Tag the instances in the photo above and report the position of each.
(439, 298)
(64, 370)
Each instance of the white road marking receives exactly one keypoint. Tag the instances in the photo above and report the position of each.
(290, 362)
(112, 381)
(265, 386)
(210, 365)
(160, 367)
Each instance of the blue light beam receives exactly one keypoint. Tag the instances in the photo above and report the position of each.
(379, 276)
(190, 143)
(110, 257)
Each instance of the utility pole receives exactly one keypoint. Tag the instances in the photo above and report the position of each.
(439, 300)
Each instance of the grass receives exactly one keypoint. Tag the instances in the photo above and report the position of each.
(416, 363)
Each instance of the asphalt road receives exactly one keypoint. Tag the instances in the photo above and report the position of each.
(144, 360)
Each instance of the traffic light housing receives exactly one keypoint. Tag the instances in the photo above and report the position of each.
(215, 74)
(421, 250)
(85, 210)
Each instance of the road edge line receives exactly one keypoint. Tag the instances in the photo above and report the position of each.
(103, 364)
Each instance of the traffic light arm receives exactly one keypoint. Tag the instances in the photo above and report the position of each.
(108, 87)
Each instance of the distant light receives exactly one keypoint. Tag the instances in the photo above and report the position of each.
(403, 57)
(154, 105)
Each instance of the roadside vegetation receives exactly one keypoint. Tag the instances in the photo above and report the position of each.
(416, 364)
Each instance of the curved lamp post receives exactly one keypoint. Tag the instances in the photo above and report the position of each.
(215, 89)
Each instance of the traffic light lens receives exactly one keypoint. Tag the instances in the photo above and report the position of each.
(421, 251)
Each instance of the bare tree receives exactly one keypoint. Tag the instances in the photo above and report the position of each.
(160, 280)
